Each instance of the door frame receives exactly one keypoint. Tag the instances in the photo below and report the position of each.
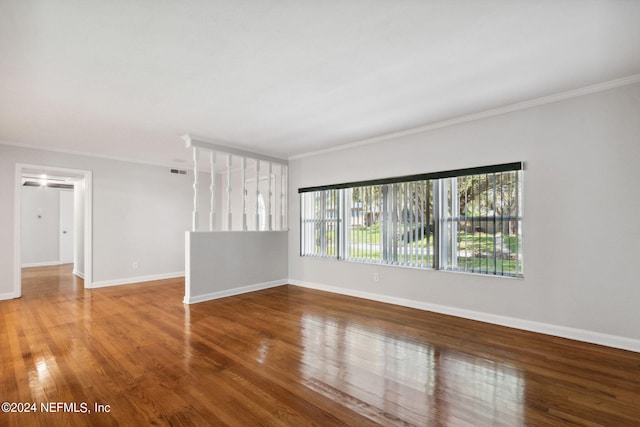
(61, 247)
(85, 175)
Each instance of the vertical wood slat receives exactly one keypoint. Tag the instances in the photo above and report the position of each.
(285, 200)
(271, 210)
(229, 214)
(257, 195)
(212, 189)
(269, 204)
(195, 217)
(282, 196)
(244, 194)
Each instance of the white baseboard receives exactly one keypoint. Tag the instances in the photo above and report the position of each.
(139, 279)
(8, 295)
(512, 322)
(40, 264)
(234, 291)
(79, 274)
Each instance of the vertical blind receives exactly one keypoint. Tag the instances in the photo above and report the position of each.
(464, 220)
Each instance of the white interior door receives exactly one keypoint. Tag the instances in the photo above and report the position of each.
(66, 226)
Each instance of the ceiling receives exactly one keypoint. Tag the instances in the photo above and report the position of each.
(285, 77)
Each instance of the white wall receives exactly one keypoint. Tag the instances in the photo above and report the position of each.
(226, 263)
(581, 236)
(140, 213)
(40, 226)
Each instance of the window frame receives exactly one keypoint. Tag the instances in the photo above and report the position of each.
(441, 218)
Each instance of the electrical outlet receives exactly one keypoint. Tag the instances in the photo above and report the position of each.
(135, 265)
(376, 277)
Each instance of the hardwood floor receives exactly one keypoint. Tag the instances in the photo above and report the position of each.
(290, 356)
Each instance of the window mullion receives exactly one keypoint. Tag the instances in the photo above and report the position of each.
(395, 218)
(437, 229)
(345, 241)
(454, 221)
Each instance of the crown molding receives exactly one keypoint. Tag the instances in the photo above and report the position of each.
(612, 84)
(175, 165)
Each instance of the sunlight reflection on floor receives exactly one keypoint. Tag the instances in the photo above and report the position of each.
(391, 374)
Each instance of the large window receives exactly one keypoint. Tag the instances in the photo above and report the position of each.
(464, 220)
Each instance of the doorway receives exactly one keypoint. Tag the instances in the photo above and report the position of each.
(71, 213)
(66, 229)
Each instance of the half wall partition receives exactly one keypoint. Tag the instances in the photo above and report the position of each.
(238, 240)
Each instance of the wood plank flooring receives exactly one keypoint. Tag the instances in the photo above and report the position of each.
(292, 357)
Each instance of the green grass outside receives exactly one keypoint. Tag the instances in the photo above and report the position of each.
(476, 251)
